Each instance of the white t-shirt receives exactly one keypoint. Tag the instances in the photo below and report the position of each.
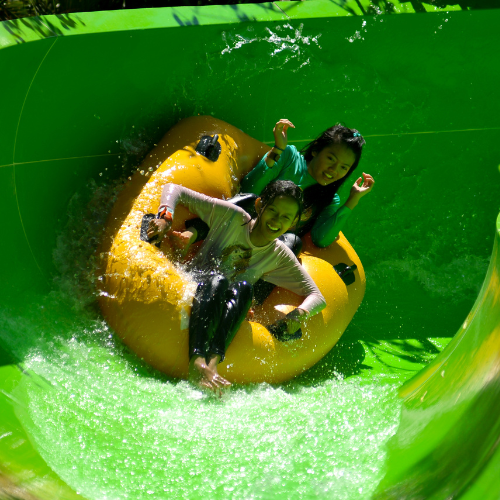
(227, 249)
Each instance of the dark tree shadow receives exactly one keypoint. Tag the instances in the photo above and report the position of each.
(15, 9)
(42, 26)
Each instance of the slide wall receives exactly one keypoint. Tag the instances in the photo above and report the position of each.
(86, 96)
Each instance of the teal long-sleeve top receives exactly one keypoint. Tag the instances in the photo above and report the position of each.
(292, 167)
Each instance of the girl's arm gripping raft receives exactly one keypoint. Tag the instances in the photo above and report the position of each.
(204, 206)
(290, 274)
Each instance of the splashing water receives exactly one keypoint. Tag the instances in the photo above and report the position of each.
(113, 428)
(141, 435)
(357, 35)
(290, 42)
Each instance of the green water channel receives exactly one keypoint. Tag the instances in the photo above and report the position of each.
(89, 94)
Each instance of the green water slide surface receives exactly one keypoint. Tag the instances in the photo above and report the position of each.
(85, 96)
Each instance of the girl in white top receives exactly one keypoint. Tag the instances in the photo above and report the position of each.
(236, 253)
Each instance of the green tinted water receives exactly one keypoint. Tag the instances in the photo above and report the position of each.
(141, 436)
(112, 428)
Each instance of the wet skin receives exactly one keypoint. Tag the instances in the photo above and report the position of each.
(204, 374)
(275, 220)
(331, 163)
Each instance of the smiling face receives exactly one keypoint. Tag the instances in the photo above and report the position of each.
(275, 220)
(331, 163)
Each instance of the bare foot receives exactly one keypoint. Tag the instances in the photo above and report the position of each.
(205, 375)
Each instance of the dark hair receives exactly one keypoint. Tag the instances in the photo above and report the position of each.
(282, 188)
(320, 196)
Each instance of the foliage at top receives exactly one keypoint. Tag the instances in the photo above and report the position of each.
(15, 9)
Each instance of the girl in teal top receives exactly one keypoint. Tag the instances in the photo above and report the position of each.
(319, 169)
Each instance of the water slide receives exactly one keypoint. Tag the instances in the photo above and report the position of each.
(407, 405)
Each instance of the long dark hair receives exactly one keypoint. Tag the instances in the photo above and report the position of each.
(319, 196)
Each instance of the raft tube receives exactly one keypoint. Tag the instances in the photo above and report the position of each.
(145, 296)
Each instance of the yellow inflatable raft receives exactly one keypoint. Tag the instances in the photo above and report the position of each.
(145, 295)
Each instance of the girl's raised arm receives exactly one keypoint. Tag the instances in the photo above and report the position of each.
(361, 187)
(332, 218)
(280, 141)
(264, 173)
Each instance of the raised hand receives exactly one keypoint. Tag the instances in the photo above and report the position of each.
(280, 133)
(363, 185)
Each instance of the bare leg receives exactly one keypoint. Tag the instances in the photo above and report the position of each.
(182, 241)
(216, 315)
(250, 314)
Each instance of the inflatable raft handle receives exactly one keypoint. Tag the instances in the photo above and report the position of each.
(280, 333)
(209, 147)
(346, 273)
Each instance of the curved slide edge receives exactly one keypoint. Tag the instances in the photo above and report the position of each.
(447, 444)
(24, 474)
